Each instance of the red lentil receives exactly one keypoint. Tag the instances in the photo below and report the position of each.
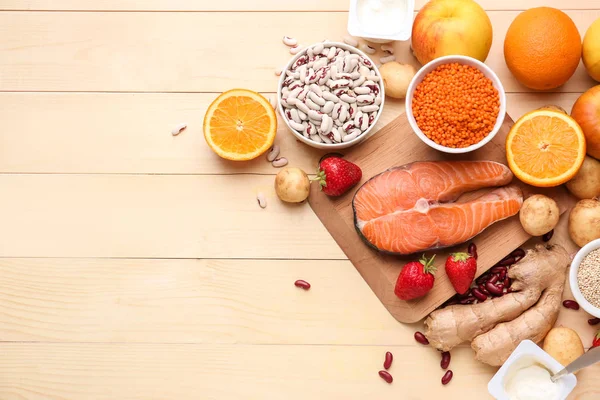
(456, 105)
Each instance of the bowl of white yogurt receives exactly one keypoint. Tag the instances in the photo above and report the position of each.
(526, 376)
(381, 21)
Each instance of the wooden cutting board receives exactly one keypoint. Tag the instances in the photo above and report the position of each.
(395, 145)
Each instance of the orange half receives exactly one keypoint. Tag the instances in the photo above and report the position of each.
(545, 148)
(240, 125)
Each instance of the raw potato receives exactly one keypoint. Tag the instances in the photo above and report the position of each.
(539, 215)
(292, 185)
(564, 344)
(396, 78)
(584, 222)
(586, 184)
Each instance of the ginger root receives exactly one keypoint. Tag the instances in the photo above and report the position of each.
(540, 275)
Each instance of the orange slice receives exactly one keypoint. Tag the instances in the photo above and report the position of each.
(240, 125)
(545, 148)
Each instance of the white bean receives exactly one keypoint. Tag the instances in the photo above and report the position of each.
(312, 105)
(343, 114)
(351, 136)
(317, 48)
(302, 115)
(331, 52)
(337, 137)
(360, 90)
(367, 49)
(316, 99)
(302, 94)
(330, 97)
(316, 89)
(261, 199)
(325, 139)
(365, 99)
(302, 107)
(348, 99)
(373, 78)
(296, 126)
(278, 72)
(289, 41)
(295, 116)
(294, 93)
(271, 155)
(368, 109)
(280, 162)
(364, 122)
(296, 49)
(328, 107)
(312, 114)
(350, 41)
(316, 138)
(388, 48)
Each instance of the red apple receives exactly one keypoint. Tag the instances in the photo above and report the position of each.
(451, 27)
(586, 111)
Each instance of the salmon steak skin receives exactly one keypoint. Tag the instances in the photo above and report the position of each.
(412, 208)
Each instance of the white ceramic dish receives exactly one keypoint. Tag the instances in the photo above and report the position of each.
(528, 349)
(404, 31)
(333, 146)
(487, 71)
(585, 250)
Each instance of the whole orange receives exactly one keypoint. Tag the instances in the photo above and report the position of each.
(542, 48)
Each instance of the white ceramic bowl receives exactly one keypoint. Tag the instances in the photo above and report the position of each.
(525, 352)
(487, 71)
(585, 250)
(333, 146)
(403, 27)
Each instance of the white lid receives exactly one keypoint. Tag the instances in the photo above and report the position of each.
(404, 31)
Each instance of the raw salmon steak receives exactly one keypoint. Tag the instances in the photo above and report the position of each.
(411, 208)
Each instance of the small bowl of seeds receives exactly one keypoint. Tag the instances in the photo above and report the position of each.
(584, 277)
(330, 95)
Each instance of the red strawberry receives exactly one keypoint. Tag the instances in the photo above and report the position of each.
(336, 175)
(596, 340)
(415, 279)
(461, 269)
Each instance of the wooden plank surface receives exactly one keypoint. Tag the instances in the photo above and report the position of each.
(130, 133)
(263, 5)
(180, 52)
(162, 216)
(36, 371)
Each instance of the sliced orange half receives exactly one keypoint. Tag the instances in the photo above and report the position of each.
(240, 125)
(545, 148)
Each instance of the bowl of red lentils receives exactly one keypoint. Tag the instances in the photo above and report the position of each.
(456, 104)
(584, 277)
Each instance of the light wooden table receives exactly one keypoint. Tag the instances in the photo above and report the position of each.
(136, 265)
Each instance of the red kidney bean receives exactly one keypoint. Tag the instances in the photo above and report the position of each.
(498, 270)
(502, 275)
(472, 250)
(386, 376)
(572, 304)
(493, 289)
(506, 282)
(594, 321)
(483, 290)
(445, 360)
(468, 300)
(507, 261)
(302, 284)
(509, 290)
(451, 302)
(493, 279)
(447, 377)
(419, 337)
(548, 236)
(518, 253)
(482, 279)
(480, 296)
(389, 357)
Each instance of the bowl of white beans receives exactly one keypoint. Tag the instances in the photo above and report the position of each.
(330, 95)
